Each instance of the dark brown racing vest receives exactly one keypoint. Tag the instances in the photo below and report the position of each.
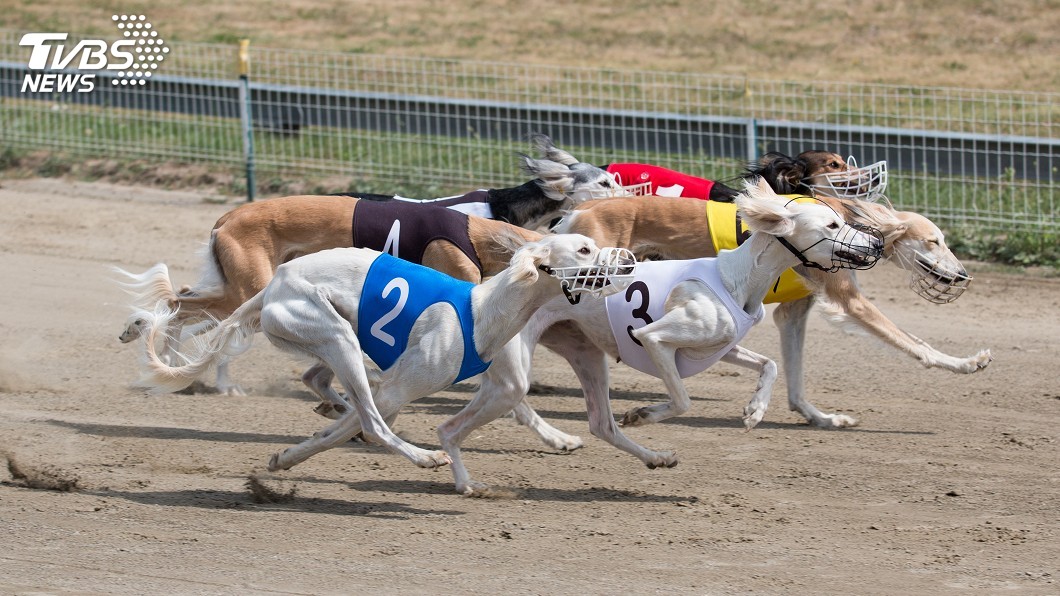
(404, 229)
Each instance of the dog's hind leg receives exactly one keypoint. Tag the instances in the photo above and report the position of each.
(224, 383)
(767, 376)
(790, 318)
(317, 328)
(318, 379)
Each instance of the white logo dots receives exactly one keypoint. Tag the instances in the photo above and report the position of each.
(150, 50)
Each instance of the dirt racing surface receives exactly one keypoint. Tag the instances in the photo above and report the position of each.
(949, 485)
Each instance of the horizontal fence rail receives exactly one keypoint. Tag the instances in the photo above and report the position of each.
(977, 158)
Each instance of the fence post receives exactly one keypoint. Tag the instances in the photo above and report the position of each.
(245, 115)
(752, 140)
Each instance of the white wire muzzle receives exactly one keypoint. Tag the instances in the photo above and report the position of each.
(611, 274)
(865, 184)
(931, 281)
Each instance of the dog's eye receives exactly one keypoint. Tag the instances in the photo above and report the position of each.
(834, 165)
(607, 183)
(833, 226)
(584, 250)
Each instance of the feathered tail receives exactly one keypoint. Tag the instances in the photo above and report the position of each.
(231, 337)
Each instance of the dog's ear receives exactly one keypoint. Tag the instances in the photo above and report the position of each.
(762, 210)
(526, 260)
(554, 178)
(544, 147)
(782, 172)
(893, 224)
(818, 161)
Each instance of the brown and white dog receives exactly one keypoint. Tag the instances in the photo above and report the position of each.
(678, 228)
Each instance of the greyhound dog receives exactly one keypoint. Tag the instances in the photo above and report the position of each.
(422, 328)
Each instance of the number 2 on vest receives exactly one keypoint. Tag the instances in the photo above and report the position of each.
(402, 287)
(641, 312)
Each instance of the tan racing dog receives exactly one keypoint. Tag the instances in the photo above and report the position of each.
(679, 228)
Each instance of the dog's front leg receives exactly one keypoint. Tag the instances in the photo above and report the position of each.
(591, 368)
(503, 385)
(864, 313)
(767, 376)
(790, 318)
(661, 340)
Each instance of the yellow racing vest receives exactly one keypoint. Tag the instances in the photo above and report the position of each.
(724, 223)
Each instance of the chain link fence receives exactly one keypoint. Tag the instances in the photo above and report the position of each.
(429, 127)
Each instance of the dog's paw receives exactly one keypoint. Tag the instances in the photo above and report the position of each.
(565, 442)
(232, 390)
(662, 459)
(274, 463)
(982, 360)
(475, 489)
(433, 459)
(834, 421)
(329, 410)
(635, 417)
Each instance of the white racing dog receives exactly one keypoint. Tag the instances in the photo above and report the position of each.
(682, 228)
(424, 329)
(677, 318)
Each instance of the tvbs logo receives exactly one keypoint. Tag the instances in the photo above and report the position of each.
(130, 60)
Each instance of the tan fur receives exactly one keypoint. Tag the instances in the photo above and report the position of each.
(674, 228)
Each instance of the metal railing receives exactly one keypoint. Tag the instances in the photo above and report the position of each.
(420, 126)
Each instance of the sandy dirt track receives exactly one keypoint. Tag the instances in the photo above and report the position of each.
(951, 484)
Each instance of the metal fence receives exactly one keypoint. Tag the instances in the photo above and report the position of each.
(429, 127)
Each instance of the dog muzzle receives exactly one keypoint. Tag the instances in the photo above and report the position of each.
(847, 251)
(611, 274)
(618, 190)
(931, 281)
(866, 184)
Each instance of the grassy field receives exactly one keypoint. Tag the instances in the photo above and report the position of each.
(986, 44)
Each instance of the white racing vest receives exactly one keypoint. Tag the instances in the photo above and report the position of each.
(643, 303)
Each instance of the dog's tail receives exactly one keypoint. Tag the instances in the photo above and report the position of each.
(154, 287)
(231, 337)
(148, 288)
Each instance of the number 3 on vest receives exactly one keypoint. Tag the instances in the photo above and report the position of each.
(641, 312)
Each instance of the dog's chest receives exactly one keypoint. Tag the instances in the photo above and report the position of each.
(644, 303)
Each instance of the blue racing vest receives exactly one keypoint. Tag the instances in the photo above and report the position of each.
(395, 294)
